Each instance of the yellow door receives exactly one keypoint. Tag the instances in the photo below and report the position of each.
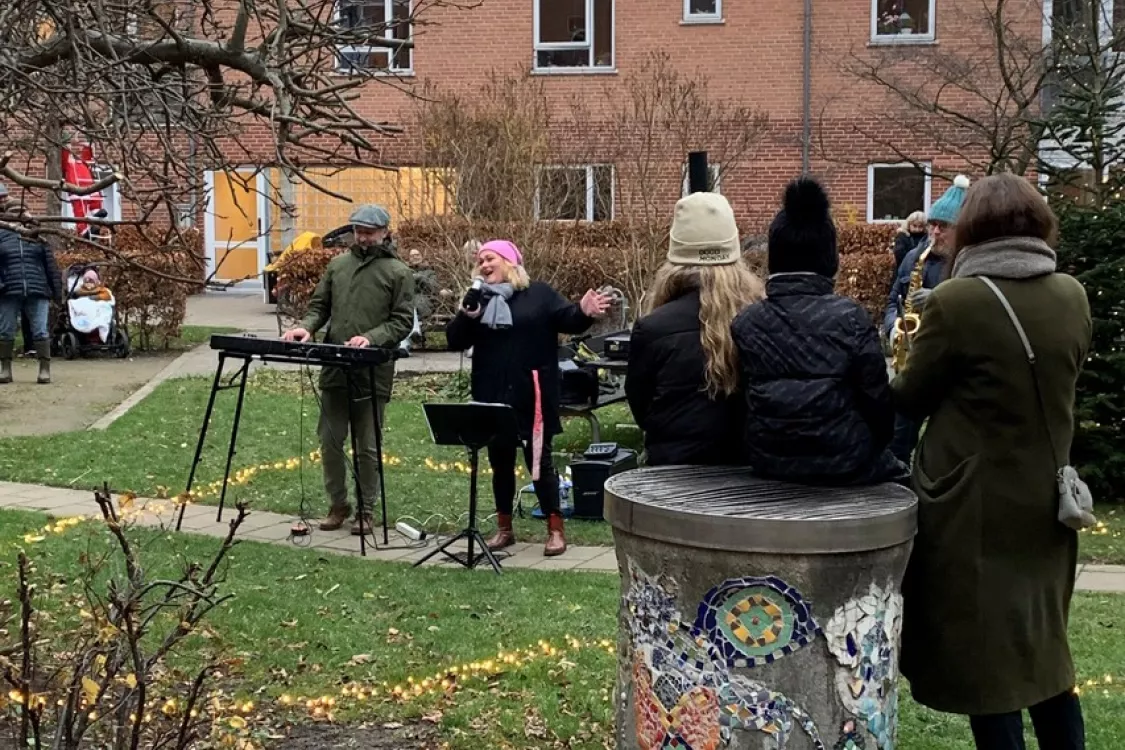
(236, 223)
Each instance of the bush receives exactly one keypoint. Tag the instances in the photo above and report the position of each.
(1090, 247)
(150, 274)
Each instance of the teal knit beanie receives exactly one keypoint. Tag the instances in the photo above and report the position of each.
(948, 206)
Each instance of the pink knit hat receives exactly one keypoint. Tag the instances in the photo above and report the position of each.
(505, 249)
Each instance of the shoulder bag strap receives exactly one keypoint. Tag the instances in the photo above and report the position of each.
(1031, 359)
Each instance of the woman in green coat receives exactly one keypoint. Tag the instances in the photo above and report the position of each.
(988, 588)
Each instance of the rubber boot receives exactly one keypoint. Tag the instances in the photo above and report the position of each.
(556, 542)
(43, 351)
(336, 518)
(504, 536)
(6, 350)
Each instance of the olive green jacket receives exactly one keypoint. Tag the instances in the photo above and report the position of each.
(363, 293)
(988, 588)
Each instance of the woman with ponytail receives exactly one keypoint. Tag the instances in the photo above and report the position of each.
(818, 400)
(682, 380)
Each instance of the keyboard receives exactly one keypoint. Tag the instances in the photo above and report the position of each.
(308, 353)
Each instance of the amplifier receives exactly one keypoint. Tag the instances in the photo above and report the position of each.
(617, 346)
(589, 477)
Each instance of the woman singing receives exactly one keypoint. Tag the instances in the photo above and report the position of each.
(514, 334)
(683, 364)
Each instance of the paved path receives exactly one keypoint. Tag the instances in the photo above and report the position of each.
(273, 528)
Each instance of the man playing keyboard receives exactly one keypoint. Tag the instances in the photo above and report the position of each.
(366, 298)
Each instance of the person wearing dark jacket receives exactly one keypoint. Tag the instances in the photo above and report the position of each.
(29, 281)
(514, 334)
(818, 399)
(912, 234)
(682, 379)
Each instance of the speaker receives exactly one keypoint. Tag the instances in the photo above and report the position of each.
(589, 477)
(699, 176)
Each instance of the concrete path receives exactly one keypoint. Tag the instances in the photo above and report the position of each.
(273, 528)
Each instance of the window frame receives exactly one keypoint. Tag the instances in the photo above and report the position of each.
(343, 68)
(591, 190)
(927, 190)
(714, 171)
(587, 45)
(928, 38)
(716, 17)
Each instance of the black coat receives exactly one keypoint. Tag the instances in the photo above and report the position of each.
(666, 390)
(904, 243)
(503, 359)
(27, 268)
(818, 399)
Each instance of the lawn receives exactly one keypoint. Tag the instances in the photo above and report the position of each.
(425, 483)
(303, 624)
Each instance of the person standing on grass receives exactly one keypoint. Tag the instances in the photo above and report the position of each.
(988, 587)
(366, 298)
(682, 380)
(514, 332)
(29, 281)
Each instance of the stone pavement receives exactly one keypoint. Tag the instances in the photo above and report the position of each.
(273, 528)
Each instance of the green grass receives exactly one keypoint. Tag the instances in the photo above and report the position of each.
(299, 620)
(149, 451)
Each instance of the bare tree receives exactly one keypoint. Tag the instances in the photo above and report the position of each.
(165, 89)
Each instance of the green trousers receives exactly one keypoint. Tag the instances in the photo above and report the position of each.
(338, 415)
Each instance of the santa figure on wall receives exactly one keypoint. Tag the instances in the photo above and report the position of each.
(78, 169)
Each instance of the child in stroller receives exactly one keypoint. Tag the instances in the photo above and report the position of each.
(88, 320)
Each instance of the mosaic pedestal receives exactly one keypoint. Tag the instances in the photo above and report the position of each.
(754, 648)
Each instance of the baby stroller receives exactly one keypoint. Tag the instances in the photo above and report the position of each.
(85, 326)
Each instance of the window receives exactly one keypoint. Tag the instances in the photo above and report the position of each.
(573, 34)
(902, 20)
(714, 174)
(703, 10)
(575, 193)
(373, 20)
(894, 191)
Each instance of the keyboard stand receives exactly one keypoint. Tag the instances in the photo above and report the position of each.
(237, 379)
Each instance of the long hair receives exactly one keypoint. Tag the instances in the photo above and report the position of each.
(724, 290)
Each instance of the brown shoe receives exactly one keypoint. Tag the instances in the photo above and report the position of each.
(335, 519)
(504, 536)
(361, 526)
(556, 542)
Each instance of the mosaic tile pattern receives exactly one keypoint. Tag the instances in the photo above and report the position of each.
(684, 694)
(863, 635)
(755, 621)
(850, 737)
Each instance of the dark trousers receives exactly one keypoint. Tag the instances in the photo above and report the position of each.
(502, 459)
(1057, 721)
(905, 439)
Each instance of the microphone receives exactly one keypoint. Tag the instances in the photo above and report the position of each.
(472, 297)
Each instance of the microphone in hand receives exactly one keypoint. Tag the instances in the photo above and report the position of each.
(472, 297)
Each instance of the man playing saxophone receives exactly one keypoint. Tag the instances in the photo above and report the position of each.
(922, 269)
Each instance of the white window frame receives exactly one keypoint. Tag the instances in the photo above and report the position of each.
(715, 17)
(343, 68)
(929, 37)
(927, 192)
(587, 45)
(591, 189)
(714, 171)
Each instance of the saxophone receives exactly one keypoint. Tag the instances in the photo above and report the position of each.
(907, 325)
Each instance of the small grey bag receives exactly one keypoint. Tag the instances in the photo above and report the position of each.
(1076, 504)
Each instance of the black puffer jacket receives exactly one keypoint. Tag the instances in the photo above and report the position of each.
(27, 268)
(666, 390)
(818, 400)
(503, 359)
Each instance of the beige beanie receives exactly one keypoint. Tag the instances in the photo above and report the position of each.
(703, 232)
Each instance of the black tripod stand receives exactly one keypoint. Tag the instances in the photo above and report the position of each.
(474, 426)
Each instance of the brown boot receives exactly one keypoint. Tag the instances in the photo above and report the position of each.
(504, 536)
(556, 542)
(336, 518)
(361, 526)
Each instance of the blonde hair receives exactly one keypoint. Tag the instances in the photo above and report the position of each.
(724, 290)
(918, 217)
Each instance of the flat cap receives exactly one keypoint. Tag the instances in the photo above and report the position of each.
(370, 215)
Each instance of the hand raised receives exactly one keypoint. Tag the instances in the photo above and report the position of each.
(594, 304)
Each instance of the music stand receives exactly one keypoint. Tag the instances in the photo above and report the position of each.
(474, 426)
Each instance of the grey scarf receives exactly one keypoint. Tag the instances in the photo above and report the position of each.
(497, 314)
(1006, 258)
